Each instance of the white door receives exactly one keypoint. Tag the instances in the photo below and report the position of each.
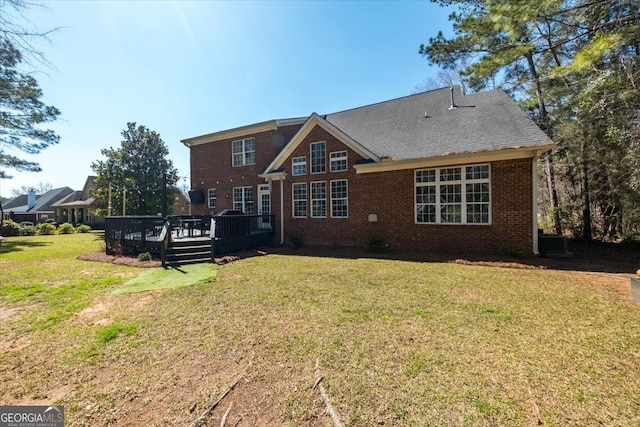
(264, 206)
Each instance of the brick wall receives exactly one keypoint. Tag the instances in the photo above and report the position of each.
(389, 195)
(211, 167)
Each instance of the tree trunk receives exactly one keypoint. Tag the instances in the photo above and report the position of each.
(586, 199)
(544, 123)
(553, 193)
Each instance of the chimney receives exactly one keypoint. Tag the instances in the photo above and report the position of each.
(453, 104)
(31, 199)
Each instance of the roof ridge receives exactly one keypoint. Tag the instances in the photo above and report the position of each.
(395, 99)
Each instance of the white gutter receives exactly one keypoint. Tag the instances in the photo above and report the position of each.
(534, 195)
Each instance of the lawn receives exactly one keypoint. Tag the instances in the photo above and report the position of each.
(396, 342)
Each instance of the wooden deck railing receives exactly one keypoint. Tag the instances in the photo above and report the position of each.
(130, 235)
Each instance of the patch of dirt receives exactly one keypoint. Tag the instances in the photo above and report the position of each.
(97, 313)
(17, 344)
(104, 312)
(7, 313)
(51, 396)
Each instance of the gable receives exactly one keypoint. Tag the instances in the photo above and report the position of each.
(316, 121)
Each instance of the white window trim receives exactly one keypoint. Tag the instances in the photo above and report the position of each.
(339, 157)
(294, 200)
(463, 181)
(244, 199)
(244, 152)
(333, 199)
(298, 161)
(214, 198)
(324, 199)
(324, 160)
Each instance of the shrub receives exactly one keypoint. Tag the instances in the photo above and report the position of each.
(83, 228)
(10, 228)
(511, 250)
(632, 240)
(46, 229)
(296, 240)
(26, 224)
(144, 256)
(66, 228)
(375, 243)
(28, 230)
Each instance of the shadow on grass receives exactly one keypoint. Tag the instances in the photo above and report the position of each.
(587, 256)
(9, 245)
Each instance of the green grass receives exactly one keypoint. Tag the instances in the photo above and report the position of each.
(170, 278)
(398, 342)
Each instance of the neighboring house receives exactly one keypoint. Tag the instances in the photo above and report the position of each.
(435, 171)
(78, 207)
(35, 208)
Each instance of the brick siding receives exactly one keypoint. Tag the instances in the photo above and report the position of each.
(389, 195)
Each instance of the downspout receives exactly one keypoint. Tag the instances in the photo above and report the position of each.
(281, 212)
(534, 195)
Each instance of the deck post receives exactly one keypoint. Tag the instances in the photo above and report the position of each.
(212, 234)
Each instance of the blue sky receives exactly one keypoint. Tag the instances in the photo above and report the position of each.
(187, 68)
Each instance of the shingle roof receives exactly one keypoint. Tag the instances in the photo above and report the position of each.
(43, 203)
(18, 201)
(398, 128)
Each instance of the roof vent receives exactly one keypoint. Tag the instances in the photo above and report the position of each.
(453, 104)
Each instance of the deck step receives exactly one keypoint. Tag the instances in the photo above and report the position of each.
(189, 252)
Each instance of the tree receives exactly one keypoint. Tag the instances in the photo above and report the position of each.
(41, 188)
(21, 110)
(136, 174)
(12, 15)
(549, 54)
(442, 78)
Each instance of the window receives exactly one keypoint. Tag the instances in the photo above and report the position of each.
(458, 195)
(211, 197)
(299, 165)
(318, 157)
(300, 200)
(339, 199)
(338, 161)
(244, 152)
(319, 199)
(243, 199)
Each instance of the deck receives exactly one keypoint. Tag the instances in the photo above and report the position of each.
(131, 235)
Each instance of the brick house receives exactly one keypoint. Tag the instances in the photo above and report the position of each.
(435, 171)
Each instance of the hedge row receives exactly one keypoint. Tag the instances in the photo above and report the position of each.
(12, 228)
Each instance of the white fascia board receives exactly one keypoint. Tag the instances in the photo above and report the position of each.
(456, 159)
(273, 176)
(242, 131)
(302, 133)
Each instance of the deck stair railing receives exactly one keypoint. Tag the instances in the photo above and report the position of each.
(161, 237)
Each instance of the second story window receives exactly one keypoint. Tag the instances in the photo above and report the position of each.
(299, 165)
(243, 152)
(318, 157)
(338, 161)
